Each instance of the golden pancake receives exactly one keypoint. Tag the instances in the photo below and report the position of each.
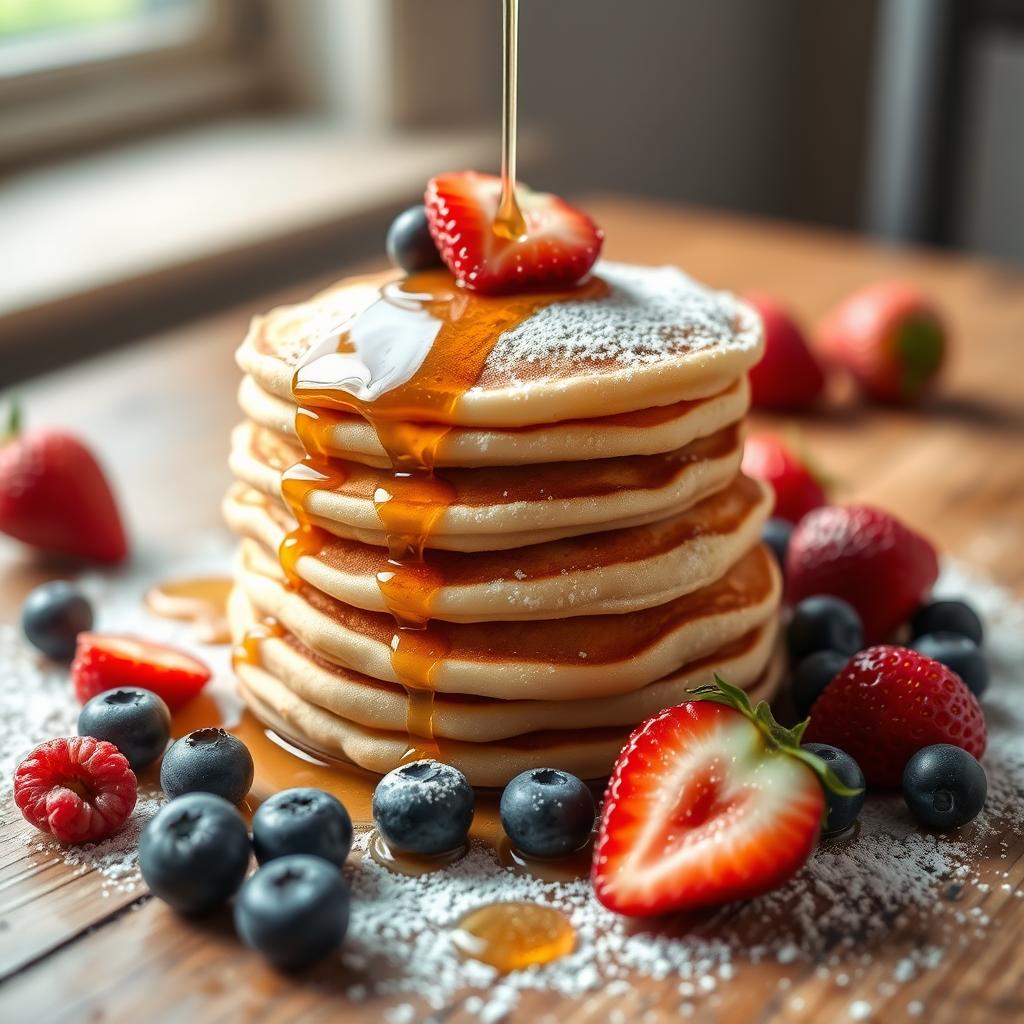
(376, 704)
(556, 659)
(504, 507)
(609, 572)
(636, 337)
(644, 432)
(587, 753)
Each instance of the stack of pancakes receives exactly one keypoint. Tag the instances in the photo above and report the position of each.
(597, 552)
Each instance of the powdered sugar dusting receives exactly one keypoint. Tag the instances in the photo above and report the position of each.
(651, 314)
(37, 703)
(848, 918)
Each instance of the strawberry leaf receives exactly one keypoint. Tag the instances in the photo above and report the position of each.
(13, 426)
(778, 736)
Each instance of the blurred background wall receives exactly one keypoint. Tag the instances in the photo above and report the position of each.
(159, 158)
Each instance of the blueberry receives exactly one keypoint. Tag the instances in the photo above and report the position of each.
(294, 910)
(948, 617)
(208, 761)
(959, 653)
(409, 244)
(136, 721)
(194, 853)
(52, 617)
(547, 813)
(424, 807)
(302, 821)
(823, 623)
(776, 534)
(944, 786)
(841, 811)
(811, 677)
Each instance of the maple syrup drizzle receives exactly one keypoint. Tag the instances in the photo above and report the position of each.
(410, 864)
(402, 364)
(511, 936)
(247, 651)
(570, 868)
(201, 600)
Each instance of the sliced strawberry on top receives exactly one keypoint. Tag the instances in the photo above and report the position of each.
(559, 246)
(709, 802)
(104, 662)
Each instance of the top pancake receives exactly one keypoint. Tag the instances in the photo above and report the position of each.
(663, 428)
(655, 337)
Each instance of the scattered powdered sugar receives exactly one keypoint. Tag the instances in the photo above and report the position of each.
(37, 703)
(840, 918)
(649, 314)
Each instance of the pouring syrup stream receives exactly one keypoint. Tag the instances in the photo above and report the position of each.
(403, 363)
(509, 222)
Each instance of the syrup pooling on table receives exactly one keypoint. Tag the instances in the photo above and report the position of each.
(402, 363)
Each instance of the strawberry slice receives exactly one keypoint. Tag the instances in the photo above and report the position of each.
(558, 249)
(105, 662)
(709, 802)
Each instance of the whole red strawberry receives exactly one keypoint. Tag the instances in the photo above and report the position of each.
(865, 556)
(557, 249)
(890, 337)
(889, 702)
(788, 377)
(797, 491)
(76, 788)
(55, 498)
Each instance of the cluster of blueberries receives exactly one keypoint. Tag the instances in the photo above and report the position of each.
(194, 853)
(944, 786)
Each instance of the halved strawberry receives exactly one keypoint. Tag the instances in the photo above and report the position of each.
(558, 249)
(105, 662)
(709, 802)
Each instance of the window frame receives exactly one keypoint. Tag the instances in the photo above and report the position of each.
(54, 110)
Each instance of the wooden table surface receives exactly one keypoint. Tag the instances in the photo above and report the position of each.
(160, 414)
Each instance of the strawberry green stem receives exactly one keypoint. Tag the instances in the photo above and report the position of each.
(787, 741)
(13, 426)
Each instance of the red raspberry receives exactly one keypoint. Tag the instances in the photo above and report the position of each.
(76, 788)
(865, 556)
(889, 702)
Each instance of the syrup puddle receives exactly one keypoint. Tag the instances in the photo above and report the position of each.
(200, 600)
(411, 864)
(561, 869)
(511, 936)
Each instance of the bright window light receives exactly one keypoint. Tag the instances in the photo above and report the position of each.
(42, 35)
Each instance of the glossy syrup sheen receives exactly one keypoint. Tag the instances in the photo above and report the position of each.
(402, 364)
